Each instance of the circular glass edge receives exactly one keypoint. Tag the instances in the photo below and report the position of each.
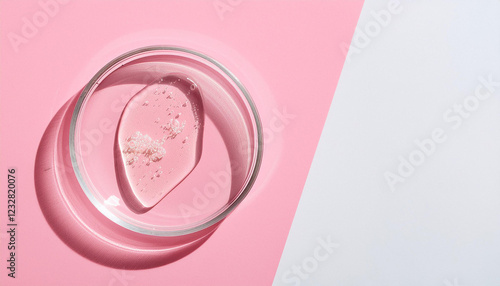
(113, 217)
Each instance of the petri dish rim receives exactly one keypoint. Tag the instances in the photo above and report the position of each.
(257, 156)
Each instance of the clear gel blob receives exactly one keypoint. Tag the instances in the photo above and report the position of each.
(158, 140)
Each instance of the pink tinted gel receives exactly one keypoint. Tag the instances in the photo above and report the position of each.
(158, 141)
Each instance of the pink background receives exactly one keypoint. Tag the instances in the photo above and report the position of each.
(288, 57)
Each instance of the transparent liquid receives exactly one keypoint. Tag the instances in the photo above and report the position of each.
(158, 140)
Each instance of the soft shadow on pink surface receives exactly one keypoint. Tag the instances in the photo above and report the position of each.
(81, 226)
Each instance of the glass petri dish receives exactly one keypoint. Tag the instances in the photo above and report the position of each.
(230, 148)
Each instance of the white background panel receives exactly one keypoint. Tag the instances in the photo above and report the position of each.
(411, 78)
